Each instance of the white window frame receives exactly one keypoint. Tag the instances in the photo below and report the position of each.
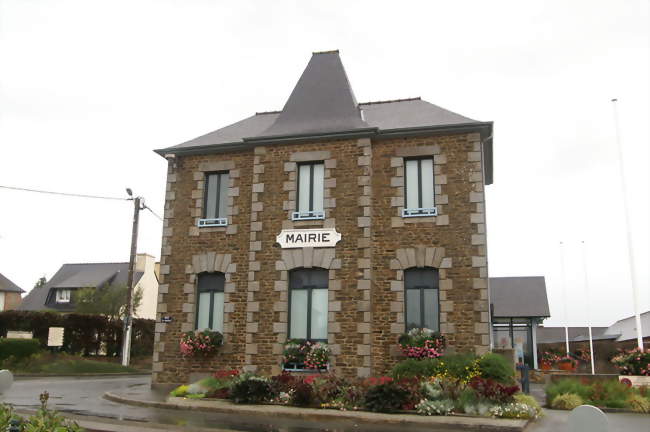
(420, 210)
(220, 220)
(63, 295)
(309, 213)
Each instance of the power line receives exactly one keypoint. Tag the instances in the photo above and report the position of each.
(63, 193)
(153, 213)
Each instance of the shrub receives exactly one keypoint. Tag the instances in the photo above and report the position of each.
(200, 343)
(350, 397)
(410, 368)
(638, 403)
(457, 366)
(531, 402)
(611, 394)
(19, 349)
(44, 420)
(250, 389)
(496, 367)
(633, 362)
(180, 391)
(493, 391)
(570, 386)
(514, 410)
(437, 407)
(567, 401)
(422, 343)
(388, 397)
(478, 409)
(462, 367)
(302, 394)
(327, 388)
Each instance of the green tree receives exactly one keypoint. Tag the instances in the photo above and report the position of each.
(109, 300)
(40, 282)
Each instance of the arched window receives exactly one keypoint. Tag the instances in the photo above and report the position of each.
(421, 297)
(308, 304)
(209, 301)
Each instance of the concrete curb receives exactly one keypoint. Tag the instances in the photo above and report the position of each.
(84, 375)
(315, 414)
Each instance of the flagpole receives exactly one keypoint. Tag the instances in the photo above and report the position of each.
(566, 315)
(591, 340)
(630, 252)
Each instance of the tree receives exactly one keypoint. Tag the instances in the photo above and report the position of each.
(40, 282)
(109, 300)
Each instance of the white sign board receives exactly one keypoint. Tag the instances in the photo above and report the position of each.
(315, 238)
(55, 337)
(14, 334)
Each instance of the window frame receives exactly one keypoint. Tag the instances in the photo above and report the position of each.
(59, 298)
(219, 220)
(220, 289)
(309, 290)
(436, 287)
(309, 214)
(419, 211)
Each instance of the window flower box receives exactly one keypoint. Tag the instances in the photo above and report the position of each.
(200, 343)
(422, 343)
(305, 355)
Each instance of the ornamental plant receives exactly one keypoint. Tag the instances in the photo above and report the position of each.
(318, 356)
(632, 362)
(493, 391)
(550, 356)
(200, 343)
(421, 343)
(306, 354)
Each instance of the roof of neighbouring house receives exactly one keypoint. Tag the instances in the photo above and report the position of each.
(8, 286)
(76, 276)
(323, 105)
(625, 329)
(523, 296)
(576, 334)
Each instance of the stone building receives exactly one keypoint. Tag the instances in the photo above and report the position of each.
(385, 203)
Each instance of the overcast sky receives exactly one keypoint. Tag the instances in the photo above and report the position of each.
(88, 89)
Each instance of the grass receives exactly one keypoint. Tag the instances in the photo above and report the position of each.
(63, 364)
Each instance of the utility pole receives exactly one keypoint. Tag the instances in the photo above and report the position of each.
(126, 333)
(626, 213)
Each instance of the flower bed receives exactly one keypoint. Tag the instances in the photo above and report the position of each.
(571, 393)
(462, 384)
(633, 362)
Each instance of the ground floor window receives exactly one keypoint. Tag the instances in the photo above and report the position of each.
(517, 334)
(209, 307)
(308, 304)
(421, 298)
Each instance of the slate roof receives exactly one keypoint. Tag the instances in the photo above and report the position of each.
(576, 334)
(523, 296)
(8, 286)
(323, 105)
(75, 276)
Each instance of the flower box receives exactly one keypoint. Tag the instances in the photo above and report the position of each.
(300, 367)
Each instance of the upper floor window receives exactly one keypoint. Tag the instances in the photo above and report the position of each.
(209, 307)
(308, 304)
(215, 200)
(422, 304)
(63, 296)
(310, 191)
(418, 188)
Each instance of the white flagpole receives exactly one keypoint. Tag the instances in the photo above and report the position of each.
(591, 340)
(633, 275)
(566, 315)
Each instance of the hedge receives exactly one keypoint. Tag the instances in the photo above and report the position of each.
(18, 348)
(84, 334)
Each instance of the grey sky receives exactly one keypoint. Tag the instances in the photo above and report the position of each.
(89, 88)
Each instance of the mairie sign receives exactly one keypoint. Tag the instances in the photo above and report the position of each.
(297, 238)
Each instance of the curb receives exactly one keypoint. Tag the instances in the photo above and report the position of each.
(84, 375)
(315, 414)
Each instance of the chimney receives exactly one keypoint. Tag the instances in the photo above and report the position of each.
(143, 262)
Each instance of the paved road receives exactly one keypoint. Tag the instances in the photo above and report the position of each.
(84, 396)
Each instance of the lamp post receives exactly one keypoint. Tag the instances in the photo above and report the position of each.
(591, 340)
(127, 327)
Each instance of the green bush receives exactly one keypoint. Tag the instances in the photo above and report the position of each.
(19, 349)
(567, 401)
(638, 403)
(531, 402)
(496, 367)
(564, 386)
(44, 420)
(459, 366)
(250, 389)
(611, 394)
(180, 391)
(386, 398)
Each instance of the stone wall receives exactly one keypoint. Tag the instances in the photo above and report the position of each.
(363, 201)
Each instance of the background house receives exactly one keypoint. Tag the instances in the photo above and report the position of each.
(10, 294)
(56, 294)
(518, 306)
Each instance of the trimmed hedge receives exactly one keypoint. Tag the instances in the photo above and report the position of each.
(18, 348)
(84, 334)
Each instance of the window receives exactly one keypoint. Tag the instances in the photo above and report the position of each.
(215, 200)
(418, 188)
(310, 191)
(308, 304)
(422, 306)
(63, 296)
(209, 307)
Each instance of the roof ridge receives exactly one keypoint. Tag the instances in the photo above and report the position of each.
(390, 101)
(268, 112)
(326, 52)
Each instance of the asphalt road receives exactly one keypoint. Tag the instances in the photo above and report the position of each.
(83, 396)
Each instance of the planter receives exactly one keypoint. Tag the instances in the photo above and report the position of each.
(566, 366)
(546, 366)
(300, 367)
(636, 380)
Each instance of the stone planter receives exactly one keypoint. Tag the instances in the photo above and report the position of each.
(636, 380)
